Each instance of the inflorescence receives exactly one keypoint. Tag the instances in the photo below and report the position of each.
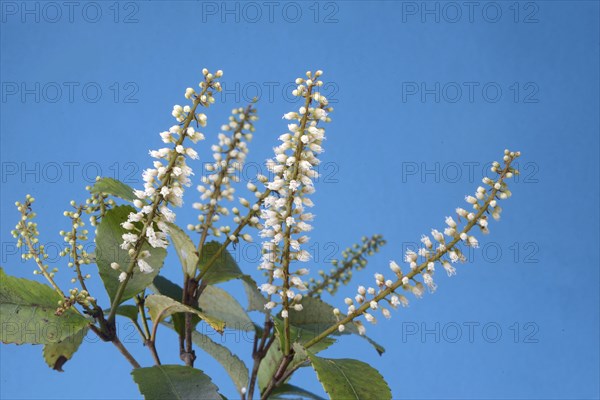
(443, 250)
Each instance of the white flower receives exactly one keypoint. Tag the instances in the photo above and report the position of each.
(450, 232)
(115, 266)
(472, 241)
(361, 329)
(450, 222)
(449, 268)
(437, 235)
(144, 266)
(270, 305)
(128, 239)
(410, 256)
(429, 282)
(370, 318)
(453, 256)
(303, 256)
(426, 241)
(341, 328)
(268, 288)
(395, 267)
(122, 276)
(127, 225)
(284, 314)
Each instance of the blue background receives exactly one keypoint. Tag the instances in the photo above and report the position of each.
(395, 163)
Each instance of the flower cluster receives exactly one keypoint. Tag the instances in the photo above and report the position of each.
(229, 156)
(354, 258)
(441, 249)
(27, 235)
(97, 204)
(163, 184)
(74, 238)
(285, 219)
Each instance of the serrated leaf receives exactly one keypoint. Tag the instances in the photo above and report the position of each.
(27, 313)
(108, 250)
(160, 307)
(57, 354)
(237, 370)
(185, 248)
(317, 316)
(345, 379)
(174, 382)
(224, 268)
(256, 301)
(114, 187)
(281, 391)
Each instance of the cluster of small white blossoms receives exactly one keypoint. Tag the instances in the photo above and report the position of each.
(164, 183)
(229, 156)
(75, 239)
(442, 250)
(285, 219)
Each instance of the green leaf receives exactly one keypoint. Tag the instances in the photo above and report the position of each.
(160, 307)
(224, 268)
(214, 302)
(129, 311)
(162, 285)
(269, 364)
(185, 248)
(345, 379)
(235, 367)
(174, 382)
(281, 391)
(108, 250)
(302, 336)
(317, 316)
(57, 354)
(275, 354)
(217, 303)
(27, 313)
(115, 188)
(256, 301)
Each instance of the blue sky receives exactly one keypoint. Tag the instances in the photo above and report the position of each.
(425, 95)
